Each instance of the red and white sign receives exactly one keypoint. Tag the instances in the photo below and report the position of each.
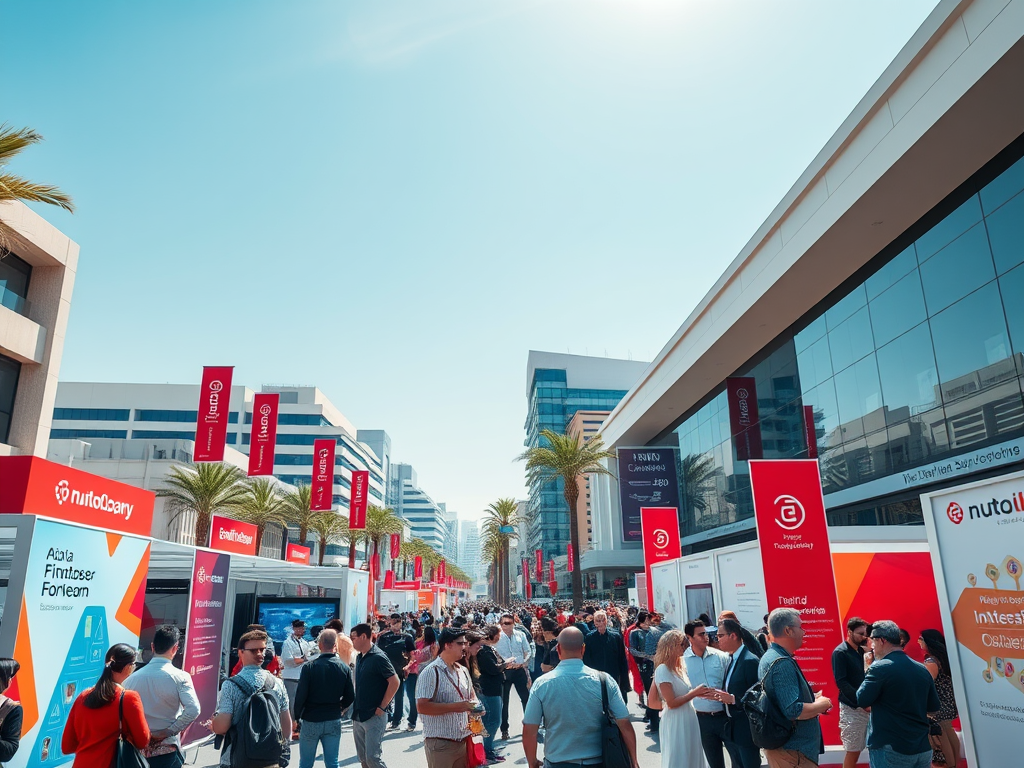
(744, 421)
(526, 573)
(229, 535)
(797, 560)
(410, 585)
(212, 421)
(417, 567)
(375, 567)
(296, 553)
(540, 565)
(321, 496)
(396, 545)
(34, 486)
(389, 579)
(810, 432)
(357, 500)
(571, 559)
(442, 570)
(264, 434)
(659, 527)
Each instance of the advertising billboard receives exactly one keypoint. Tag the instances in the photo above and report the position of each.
(229, 535)
(648, 477)
(204, 635)
(212, 416)
(660, 528)
(264, 434)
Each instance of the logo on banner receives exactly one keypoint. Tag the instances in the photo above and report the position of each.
(661, 538)
(63, 490)
(1006, 506)
(791, 514)
(955, 513)
(213, 413)
(100, 501)
(201, 575)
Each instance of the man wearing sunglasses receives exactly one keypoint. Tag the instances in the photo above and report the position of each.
(515, 648)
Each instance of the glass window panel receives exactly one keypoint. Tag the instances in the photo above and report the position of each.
(917, 440)
(985, 415)
(851, 340)
(858, 394)
(810, 334)
(1006, 234)
(834, 474)
(969, 339)
(845, 307)
(949, 229)
(706, 443)
(898, 309)
(815, 364)
(906, 370)
(957, 269)
(891, 273)
(1003, 187)
(1012, 288)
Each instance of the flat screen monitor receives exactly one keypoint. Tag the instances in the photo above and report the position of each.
(278, 613)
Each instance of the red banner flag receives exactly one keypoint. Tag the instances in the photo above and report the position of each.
(322, 493)
(264, 434)
(229, 535)
(295, 553)
(551, 570)
(442, 570)
(396, 545)
(417, 567)
(659, 529)
(529, 589)
(540, 565)
(212, 421)
(572, 561)
(389, 579)
(375, 567)
(553, 587)
(526, 575)
(744, 421)
(797, 562)
(357, 500)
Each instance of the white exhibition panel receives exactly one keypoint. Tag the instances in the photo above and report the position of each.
(741, 584)
(697, 582)
(667, 598)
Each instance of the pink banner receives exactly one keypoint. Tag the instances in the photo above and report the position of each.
(322, 493)
(572, 561)
(551, 570)
(396, 545)
(264, 434)
(357, 500)
(540, 565)
(204, 635)
(212, 421)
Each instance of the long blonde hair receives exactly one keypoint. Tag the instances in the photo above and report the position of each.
(670, 652)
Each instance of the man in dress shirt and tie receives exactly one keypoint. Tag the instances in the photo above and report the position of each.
(516, 650)
(708, 666)
(741, 675)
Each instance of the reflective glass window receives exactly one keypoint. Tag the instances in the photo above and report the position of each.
(969, 337)
(961, 267)
(15, 275)
(845, 307)
(815, 364)
(810, 334)
(949, 229)
(898, 309)
(858, 395)
(918, 439)
(822, 399)
(9, 372)
(891, 273)
(850, 340)
(1006, 234)
(1012, 288)
(906, 370)
(1003, 187)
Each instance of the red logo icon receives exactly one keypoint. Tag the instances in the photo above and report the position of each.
(955, 513)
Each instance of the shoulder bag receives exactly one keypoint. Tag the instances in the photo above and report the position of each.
(127, 754)
(769, 727)
(614, 753)
(474, 744)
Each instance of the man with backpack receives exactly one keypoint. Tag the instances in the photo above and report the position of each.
(252, 711)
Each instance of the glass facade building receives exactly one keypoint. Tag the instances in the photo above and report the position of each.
(916, 359)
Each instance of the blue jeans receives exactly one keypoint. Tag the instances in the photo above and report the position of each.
(410, 689)
(491, 720)
(312, 734)
(887, 757)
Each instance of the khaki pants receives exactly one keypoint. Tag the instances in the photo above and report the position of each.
(442, 753)
(787, 758)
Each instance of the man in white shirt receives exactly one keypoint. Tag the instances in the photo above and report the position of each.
(444, 698)
(295, 651)
(168, 699)
(707, 666)
(517, 651)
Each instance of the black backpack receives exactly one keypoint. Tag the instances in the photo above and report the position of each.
(614, 752)
(769, 728)
(256, 741)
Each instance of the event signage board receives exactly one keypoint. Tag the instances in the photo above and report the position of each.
(744, 421)
(976, 536)
(212, 419)
(358, 500)
(296, 553)
(229, 535)
(666, 598)
(648, 477)
(205, 634)
(660, 527)
(792, 535)
(539, 555)
(264, 434)
(30, 485)
(357, 597)
(321, 492)
(84, 592)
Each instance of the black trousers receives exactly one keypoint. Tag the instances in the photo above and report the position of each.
(646, 667)
(398, 704)
(712, 738)
(516, 677)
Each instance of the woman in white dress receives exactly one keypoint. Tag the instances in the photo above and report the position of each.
(680, 732)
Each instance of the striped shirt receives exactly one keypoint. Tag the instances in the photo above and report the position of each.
(445, 686)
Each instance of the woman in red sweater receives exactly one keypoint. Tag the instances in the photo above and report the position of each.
(94, 723)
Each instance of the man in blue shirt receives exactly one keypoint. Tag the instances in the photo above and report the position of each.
(791, 693)
(568, 702)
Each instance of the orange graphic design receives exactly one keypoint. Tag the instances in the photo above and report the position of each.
(23, 688)
(129, 612)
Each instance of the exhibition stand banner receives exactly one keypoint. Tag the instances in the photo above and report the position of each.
(648, 477)
(792, 534)
(212, 417)
(660, 527)
(264, 434)
(744, 421)
(321, 494)
(976, 535)
(357, 597)
(205, 635)
(84, 592)
(229, 535)
(358, 500)
(665, 591)
(296, 553)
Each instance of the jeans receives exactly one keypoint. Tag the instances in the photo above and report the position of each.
(312, 734)
(516, 677)
(170, 760)
(646, 667)
(410, 688)
(491, 720)
(368, 735)
(887, 757)
(712, 738)
(398, 704)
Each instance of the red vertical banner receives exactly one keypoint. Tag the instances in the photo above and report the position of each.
(551, 570)
(375, 567)
(526, 575)
(553, 587)
(810, 432)
(389, 579)
(797, 561)
(417, 567)
(396, 545)
(205, 629)
(442, 571)
(540, 565)
(572, 560)
(357, 500)
(744, 421)
(659, 528)
(321, 495)
(529, 589)
(264, 434)
(212, 419)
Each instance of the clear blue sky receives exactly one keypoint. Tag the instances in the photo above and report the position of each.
(394, 201)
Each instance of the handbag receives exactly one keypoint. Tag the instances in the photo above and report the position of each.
(475, 752)
(769, 727)
(127, 755)
(614, 753)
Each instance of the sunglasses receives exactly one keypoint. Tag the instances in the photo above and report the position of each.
(260, 651)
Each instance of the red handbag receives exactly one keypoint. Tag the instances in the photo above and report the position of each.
(475, 752)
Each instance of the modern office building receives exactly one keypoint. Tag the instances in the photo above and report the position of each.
(450, 548)
(877, 310)
(37, 277)
(424, 515)
(557, 386)
(585, 424)
(86, 411)
(380, 443)
(468, 556)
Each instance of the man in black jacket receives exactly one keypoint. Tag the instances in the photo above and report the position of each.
(398, 645)
(325, 691)
(742, 674)
(606, 651)
(848, 669)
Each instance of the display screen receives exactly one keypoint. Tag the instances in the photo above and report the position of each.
(277, 614)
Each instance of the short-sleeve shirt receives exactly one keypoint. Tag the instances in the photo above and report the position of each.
(373, 670)
(791, 692)
(232, 700)
(445, 686)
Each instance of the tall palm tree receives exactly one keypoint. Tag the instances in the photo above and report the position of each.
(418, 548)
(696, 472)
(330, 528)
(502, 514)
(297, 511)
(205, 489)
(569, 458)
(490, 550)
(12, 188)
(260, 505)
(381, 522)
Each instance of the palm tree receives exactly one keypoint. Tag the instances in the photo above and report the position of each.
(330, 528)
(418, 548)
(205, 489)
(260, 506)
(696, 472)
(502, 514)
(13, 188)
(297, 511)
(569, 458)
(380, 523)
